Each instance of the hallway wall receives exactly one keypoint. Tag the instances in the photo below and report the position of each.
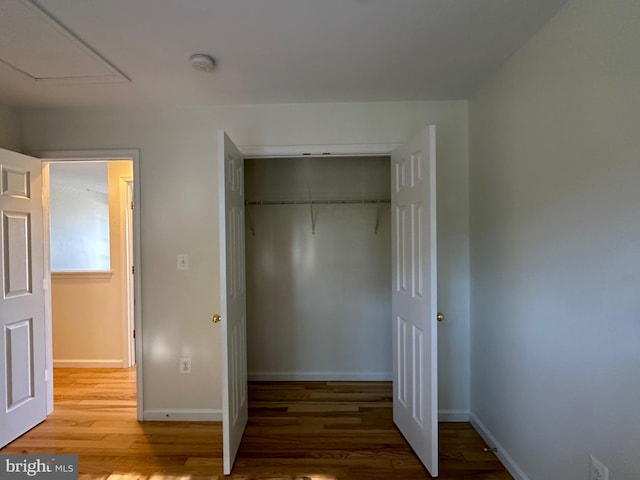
(87, 307)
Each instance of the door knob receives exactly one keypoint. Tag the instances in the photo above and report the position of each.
(440, 316)
(215, 318)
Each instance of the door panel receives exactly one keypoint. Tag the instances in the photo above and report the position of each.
(20, 378)
(15, 183)
(233, 299)
(413, 207)
(16, 233)
(22, 337)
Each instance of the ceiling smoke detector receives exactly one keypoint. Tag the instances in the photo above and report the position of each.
(202, 62)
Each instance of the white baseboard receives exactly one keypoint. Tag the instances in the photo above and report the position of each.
(215, 415)
(453, 415)
(319, 376)
(183, 415)
(506, 460)
(80, 363)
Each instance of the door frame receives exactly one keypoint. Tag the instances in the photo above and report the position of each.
(335, 150)
(332, 150)
(345, 150)
(132, 155)
(378, 150)
(127, 203)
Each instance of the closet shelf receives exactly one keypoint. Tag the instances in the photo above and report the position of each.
(314, 211)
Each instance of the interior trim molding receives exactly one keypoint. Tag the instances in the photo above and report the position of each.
(88, 363)
(183, 415)
(453, 415)
(83, 275)
(87, 155)
(355, 150)
(504, 457)
(319, 376)
(133, 154)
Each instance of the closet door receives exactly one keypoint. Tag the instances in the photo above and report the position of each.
(233, 299)
(23, 386)
(413, 300)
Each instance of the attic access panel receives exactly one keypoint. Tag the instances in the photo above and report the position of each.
(38, 46)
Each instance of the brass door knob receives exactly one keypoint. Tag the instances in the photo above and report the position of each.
(440, 316)
(215, 318)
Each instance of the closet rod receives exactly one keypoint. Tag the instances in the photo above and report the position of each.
(314, 202)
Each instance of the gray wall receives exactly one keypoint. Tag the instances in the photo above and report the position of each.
(10, 137)
(318, 304)
(555, 247)
(179, 210)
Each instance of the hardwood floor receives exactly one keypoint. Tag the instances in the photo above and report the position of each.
(296, 431)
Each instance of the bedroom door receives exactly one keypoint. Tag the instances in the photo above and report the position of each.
(413, 298)
(233, 298)
(23, 384)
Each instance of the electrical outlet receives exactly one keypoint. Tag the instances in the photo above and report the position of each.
(597, 471)
(185, 365)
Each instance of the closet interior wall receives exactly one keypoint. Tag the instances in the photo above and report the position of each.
(318, 253)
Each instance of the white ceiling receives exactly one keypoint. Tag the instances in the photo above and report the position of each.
(276, 51)
(36, 45)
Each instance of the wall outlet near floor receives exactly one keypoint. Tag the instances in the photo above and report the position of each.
(597, 471)
(185, 365)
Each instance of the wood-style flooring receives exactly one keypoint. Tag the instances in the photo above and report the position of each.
(296, 431)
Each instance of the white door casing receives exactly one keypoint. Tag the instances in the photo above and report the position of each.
(414, 301)
(131, 292)
(23, 387)
(233, 308)
(49, 156)
(126, 264)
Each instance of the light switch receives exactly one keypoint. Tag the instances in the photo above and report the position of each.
(183, 261)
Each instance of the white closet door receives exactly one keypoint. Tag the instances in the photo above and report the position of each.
(22, 341)
(413, 219)
(233, 298)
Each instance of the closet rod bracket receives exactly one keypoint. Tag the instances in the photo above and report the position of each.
(247, 208)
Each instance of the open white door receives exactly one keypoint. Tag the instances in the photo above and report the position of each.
(233, 305)
(413, 220)
(22, 341)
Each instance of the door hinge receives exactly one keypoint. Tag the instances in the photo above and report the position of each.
(131, 204)
(134, 333)
(133, 269)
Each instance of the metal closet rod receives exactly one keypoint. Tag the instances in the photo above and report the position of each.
(313, 202)
(314, 212)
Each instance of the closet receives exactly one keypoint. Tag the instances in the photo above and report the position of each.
(318, 268)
